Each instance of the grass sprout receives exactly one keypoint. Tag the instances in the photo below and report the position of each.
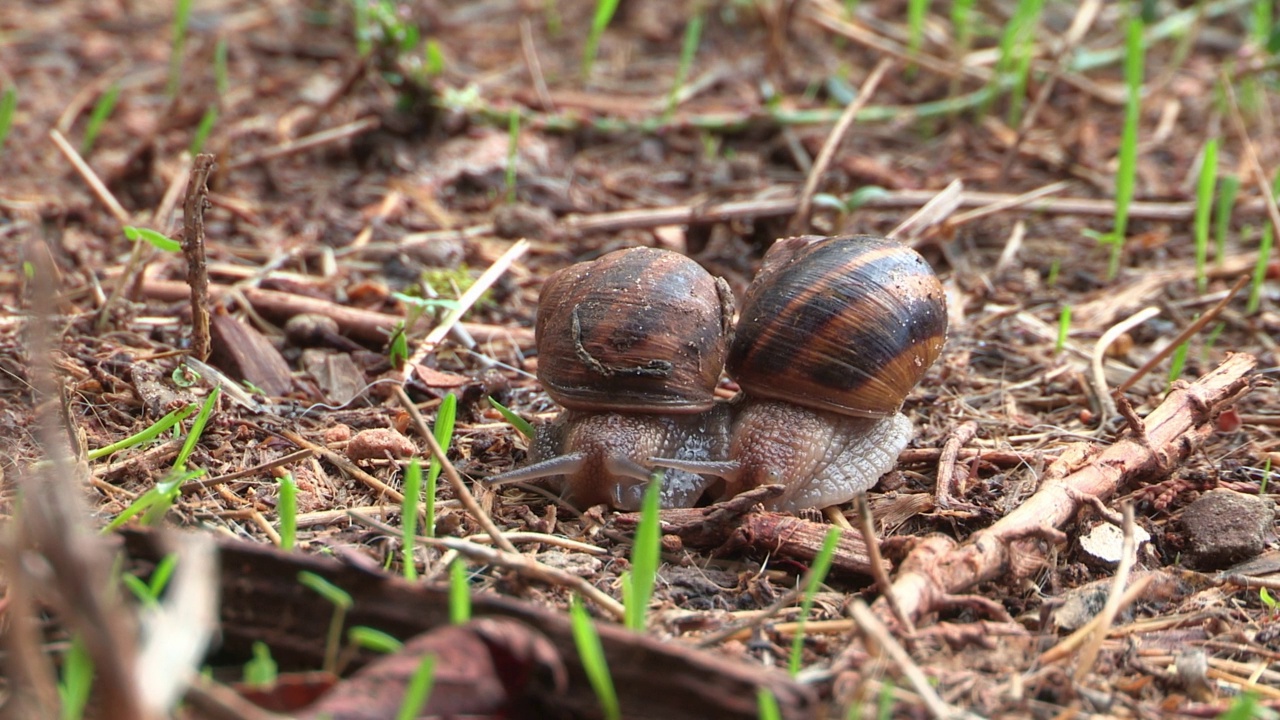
(1228, 188)
(409, 518)
(76, 680)
(688, 49)
(767, 705)
(1260, 270)
(152, 432)
(341, 601)
(520, 424)
(1064, 327)
(157, 240)
(8, 108)
(101, 111)
(261, 670)
(645, 554)
(203, 130)
(1126, 175)
(373, 639)
(513, 153)
(1204, 206)
(148, 593)
(459, 594)
(591, 653)
(446, 418)
(197, 429)
(418, 691)
(288, 511)
(181, 21)
(599, 21)
(817, 573)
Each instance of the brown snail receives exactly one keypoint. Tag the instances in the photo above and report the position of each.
(833, 334)
(632, 345)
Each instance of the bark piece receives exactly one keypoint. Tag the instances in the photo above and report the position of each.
(262, 600)
(242, 352)
(737, 525)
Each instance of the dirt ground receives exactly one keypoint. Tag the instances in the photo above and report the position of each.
(349, 172)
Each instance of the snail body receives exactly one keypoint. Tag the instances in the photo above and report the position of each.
(632, 345)
(832, 335)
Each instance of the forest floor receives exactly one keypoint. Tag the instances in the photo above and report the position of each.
(351, 171)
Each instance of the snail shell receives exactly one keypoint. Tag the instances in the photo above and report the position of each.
(846, 324)
(833, 334)
(638, 330)
(632, 344)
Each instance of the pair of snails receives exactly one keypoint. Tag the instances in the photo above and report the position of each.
(832, 335)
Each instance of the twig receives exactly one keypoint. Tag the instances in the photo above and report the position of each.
(1128, 556)
(937, 566)
(522, 564)
(947, 462)
(1251, 153)
(1085, 15)
(1008, 203)
(90, 178)
(193, 248)
(469, 298)
(343, 464)
(451, 473)
(367, 325)
(805, 206)
(535, 67)
(937, 210)
(868, 528)
(874, 632)
(324, 137)
(1182, 337)
(1107, 405)
(198, 485)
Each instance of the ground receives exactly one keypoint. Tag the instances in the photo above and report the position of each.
(410, 147)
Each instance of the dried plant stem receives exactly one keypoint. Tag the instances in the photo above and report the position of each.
(805, 206)
(193, 248)
(460, 489)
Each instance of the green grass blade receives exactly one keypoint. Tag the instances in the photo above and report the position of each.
(513, 151)
(409, 519)
(817, 573)
(767, 705)
(1126, 175)
(158, 240)
(373, 639)
(101, 111)
(1064, 327)
(599, 21)
(197, 429)
(77, 680)
(287, 509)
(688, 49)
(459, 594)
(591, 653)
(181, 19)
(418, 691)
(151, 433)
(520, 424)
(1260, 270)
(261, 670)
(446, 419)
(646, 552)
(203, 130)
(341, 601)
(1228, 188)
(1204, 206)
(8, 108)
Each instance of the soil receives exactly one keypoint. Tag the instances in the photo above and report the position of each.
(350, 173)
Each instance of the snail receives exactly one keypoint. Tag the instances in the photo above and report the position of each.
(832, 335)
(632, 345)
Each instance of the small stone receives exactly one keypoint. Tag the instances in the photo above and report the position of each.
(1224, 527)
(378, 443)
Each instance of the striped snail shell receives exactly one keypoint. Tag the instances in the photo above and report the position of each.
(832, 335)
(632, 344)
